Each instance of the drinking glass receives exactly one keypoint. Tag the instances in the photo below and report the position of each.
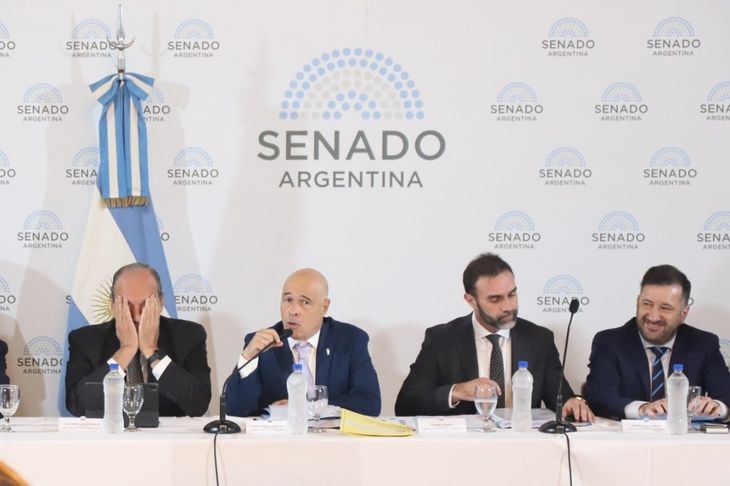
(485, 400)
(9, 401)
(317, 401)
(132, 403)
(693, 400)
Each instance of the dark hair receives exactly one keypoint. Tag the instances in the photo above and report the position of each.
(485, 265)
(668, 275)
(136, 266)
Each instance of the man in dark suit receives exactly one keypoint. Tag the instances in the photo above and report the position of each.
(335, 354)
(629, 365)
(4, 380)
(457, 356)
(146, 345)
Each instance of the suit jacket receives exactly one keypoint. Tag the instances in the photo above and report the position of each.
(4, 380)
(184, 386)
(448, 356)
(343, 365)
(619, 368)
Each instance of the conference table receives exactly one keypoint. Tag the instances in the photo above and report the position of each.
(180, 453)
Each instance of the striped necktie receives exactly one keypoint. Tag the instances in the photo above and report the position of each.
(657, 373)
(496, 367)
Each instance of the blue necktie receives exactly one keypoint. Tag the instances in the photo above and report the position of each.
(657, 373)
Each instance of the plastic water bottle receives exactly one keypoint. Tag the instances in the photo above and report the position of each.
(522, 399)
(296, 387)
(113, 422)
(677, 389)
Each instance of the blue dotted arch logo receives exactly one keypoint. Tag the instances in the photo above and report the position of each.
(715, 234)
(565, 166)
(43, 93)
(568, 27)
(4, 286)
(670, 166)
(514, 230)
(41, 355)
(563, 285)
(194, 29)
(42, 220)
(670, 157)
(193, 293)
(6, 296)
(618, 221)
(720, 93)
(621, 93)
(6, 43)
(717, 103)
(84, 167)
(193, 166)
(516, 102)
(87, 157)
(155, 107)
(352, 81)
(4, 32)
(618, 230)
(514, 221)
(193, 157)
(674, 27)
(517, 93)
(91, 29)
(155, 96)
(42, 346)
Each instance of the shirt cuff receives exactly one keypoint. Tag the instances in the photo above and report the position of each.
(249, 368)
(161, 366)
(632, 409)
(723, 410)
(120, 370)
(450, 392)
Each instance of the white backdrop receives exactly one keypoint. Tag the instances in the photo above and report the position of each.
(560, 135)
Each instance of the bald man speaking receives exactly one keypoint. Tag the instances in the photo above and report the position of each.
(336, 354)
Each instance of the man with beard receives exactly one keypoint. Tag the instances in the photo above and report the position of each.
(483, 348)
(629, 365)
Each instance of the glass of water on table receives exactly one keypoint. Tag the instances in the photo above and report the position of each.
(485, 400)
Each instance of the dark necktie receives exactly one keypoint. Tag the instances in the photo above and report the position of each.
(657, 373)
(496, 367)
(134, 371)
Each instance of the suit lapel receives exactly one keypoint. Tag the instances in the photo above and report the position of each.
(324, 354)
(520, 349)
(637, 355)
(466, 349)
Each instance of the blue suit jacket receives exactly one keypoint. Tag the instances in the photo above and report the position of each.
(619, 369)
(343, 365)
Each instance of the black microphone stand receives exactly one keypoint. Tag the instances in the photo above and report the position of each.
(559, 425)
(222, 425)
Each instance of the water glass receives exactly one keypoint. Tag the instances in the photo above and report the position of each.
(9, 401)
(132, 403)
(694, 393)
(317, 401)
(485, 400)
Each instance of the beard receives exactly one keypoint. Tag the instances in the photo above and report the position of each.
(505, 321)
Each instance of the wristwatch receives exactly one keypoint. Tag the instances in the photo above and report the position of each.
(157, 355)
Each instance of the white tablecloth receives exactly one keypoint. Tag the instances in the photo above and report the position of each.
(179, 453)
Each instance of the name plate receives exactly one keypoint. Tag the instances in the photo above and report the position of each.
(79, 424)
(641, 425)
(441, 425)
(259, 426)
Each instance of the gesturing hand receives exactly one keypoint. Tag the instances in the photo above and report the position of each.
(126, 332)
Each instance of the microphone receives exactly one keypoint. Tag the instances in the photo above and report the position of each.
(559, 426)
(223, 426)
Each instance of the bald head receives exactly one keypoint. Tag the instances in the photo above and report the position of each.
(304, 302)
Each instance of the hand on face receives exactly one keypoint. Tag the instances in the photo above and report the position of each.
(149, 325)
(126, 330)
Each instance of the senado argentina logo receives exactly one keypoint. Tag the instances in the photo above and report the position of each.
(670, 166)
(42, 230)
(155, 108)
(41, 356)
(715, 234)
(7, 297)
(193, 293)
(568, 37)
(7, 172)
(618, 230)
(621, 102)
(42, 102)
(717, 104)
(193, 166)
(194, 38)
(516, 102)
(565, 166)
(84, 167)
(673, 36)
(7, 44)
(514, 230)
(559, 291)
(90, 39)
(350, 92)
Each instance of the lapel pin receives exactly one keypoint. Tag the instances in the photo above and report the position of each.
(327, 350)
